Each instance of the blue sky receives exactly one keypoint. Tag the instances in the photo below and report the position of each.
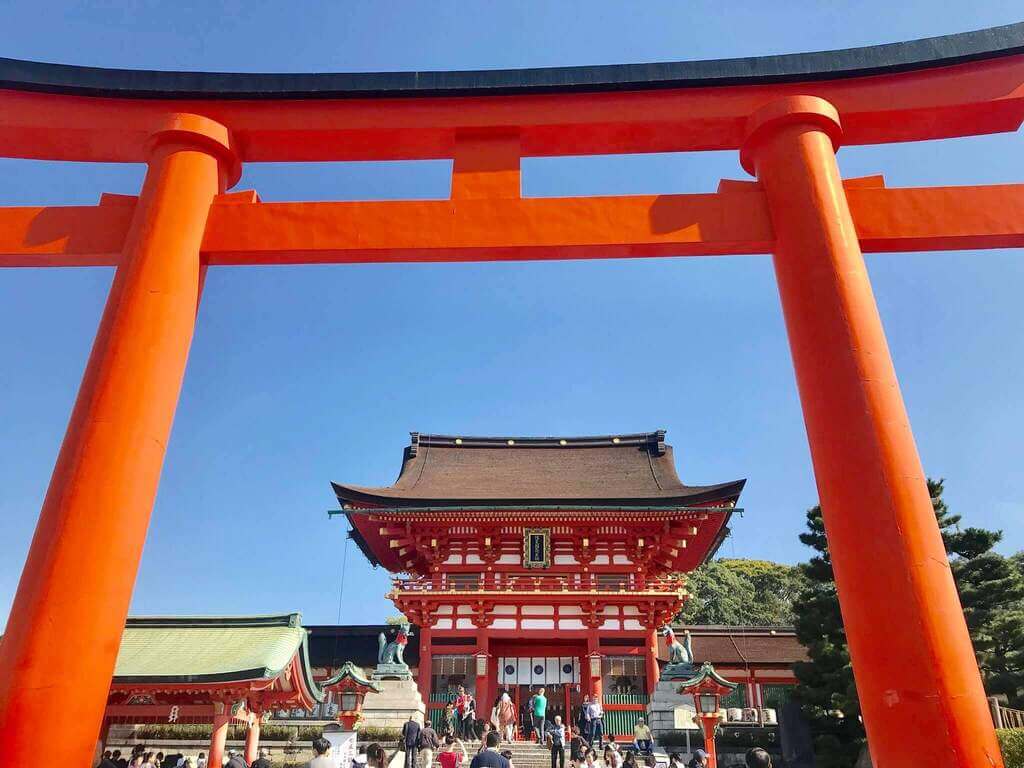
(299, 376)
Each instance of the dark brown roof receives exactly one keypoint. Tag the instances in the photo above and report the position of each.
(742, 645)
(624, 470)
(331, 645)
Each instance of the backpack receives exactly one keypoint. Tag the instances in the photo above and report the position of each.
(424, 741)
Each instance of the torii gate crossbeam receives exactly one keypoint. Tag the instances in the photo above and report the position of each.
(920, 691)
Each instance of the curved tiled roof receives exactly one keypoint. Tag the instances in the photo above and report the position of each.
(732, 645)
(616, 470)
(213, 649)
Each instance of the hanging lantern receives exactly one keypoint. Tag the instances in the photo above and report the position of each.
(481, 663)
(595, 659)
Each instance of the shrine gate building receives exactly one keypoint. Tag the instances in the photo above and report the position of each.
(540, 561)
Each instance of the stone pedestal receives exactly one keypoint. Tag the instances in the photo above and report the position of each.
(669, 710)
(392, 672)
(392, 706)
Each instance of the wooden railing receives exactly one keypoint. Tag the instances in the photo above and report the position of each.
(624, 698)
(539, 584)
(1005, 717)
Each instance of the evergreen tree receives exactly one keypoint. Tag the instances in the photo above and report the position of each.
(991, 591)
(992, 594)
(825, 687)
(739, 591)
(718, 595)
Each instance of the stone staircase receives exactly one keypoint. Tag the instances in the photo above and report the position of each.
(525, 754)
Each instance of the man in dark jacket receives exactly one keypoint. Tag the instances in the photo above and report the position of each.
(411, 740)
(107, 761)
(235, 760)
(489, 756)
(428, 744)
(263, 761)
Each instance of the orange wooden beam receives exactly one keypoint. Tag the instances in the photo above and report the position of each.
(971, 98)
(732, 221)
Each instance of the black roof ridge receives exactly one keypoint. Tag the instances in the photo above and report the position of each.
(542, 508)
(354, 494)
(293, 619)
(620, 439)
(737, 629)
(886, 58)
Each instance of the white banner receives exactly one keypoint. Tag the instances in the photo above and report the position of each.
(551, 673)
(565, 669)
(538, 670)
(507, 671)
(523, 674)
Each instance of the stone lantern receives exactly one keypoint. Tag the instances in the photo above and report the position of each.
(707, 688)
(349, 686)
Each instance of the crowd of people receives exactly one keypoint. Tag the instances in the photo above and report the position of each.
(588, 744)
(142, 757)
(586, 740)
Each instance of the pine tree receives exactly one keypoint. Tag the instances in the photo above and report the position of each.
(825, 687)
(992, 593)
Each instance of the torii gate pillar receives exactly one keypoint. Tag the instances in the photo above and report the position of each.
(69, 613)
(920, 691)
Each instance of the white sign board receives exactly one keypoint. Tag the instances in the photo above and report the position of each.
(684, 716)
(343, 747)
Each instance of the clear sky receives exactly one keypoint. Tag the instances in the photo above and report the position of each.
(299, 376)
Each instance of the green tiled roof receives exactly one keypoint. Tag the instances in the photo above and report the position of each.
(210, 649)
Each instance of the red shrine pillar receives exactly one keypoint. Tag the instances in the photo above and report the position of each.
(484, 698)
(918, 683)
(65, 626)
(425, 671)
(595, 687)
(219, 737)
(651, 665)
(252, 738)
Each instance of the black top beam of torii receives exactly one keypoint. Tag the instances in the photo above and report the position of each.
(890, 58)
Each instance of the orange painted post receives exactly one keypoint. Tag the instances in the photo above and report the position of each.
(592, 663)
(252, 739)
(919, 687)
(709, 725)
(65, 626)
(653, 670)
(219, 736)
(426, 666)
(483, 682)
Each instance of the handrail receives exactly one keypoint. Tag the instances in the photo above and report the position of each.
(538, 584)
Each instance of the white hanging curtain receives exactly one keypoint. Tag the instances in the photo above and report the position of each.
(523, 673)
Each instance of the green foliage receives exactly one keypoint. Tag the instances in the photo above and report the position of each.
(825, 686)
(1011, 742)
(378, 733)
(202, 732)
(992, 593)
(738, 591)
(396, 620)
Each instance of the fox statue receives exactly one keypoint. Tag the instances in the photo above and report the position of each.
(679, 653)
(393, 652)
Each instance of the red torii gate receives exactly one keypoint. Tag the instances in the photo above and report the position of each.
(919, 687)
